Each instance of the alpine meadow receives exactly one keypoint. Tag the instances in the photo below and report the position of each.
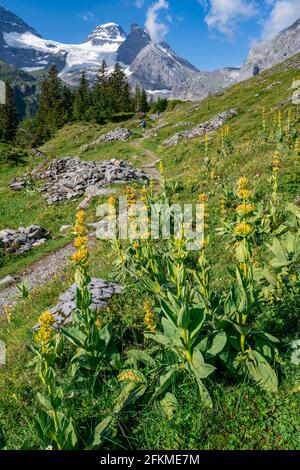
(149, 243)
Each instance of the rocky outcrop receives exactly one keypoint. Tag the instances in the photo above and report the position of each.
(121, 134)
(69, 177)
(22, 240)
(101, 291)
(272, 51)
(137, 39)
(157, 68)
(204, 84)
(205, 128)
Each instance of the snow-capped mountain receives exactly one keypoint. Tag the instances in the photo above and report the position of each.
(155, 67)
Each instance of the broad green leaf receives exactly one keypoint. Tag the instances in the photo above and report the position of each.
(198, 366)
(204, 395)
(169, 405)
(172, 332)
(74, 336)
(164, 382)
(197, 318)
(261, 372)
(106, 334)
(140, 356)
(100, 431)
(218, 343)
(130, 392)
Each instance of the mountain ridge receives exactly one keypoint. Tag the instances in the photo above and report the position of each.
(155, 67)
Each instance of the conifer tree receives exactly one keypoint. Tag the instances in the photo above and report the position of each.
(137, 99)
(120, 90)
(8, 115)
(82, 99)
(54, 106)
(144, 105)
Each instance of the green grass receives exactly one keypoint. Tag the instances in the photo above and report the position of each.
(243, 417)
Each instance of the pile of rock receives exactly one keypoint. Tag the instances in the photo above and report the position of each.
(22, 240)
(205, 128)
(121, 134)
(69, 177)
(101, 291)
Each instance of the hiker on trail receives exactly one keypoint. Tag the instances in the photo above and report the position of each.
(144, 124)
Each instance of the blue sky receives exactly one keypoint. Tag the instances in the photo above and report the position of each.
(209, 33)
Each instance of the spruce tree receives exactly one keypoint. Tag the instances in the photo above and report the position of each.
(82, 99)
(144, 105)
(137, 99)
(8, 115)
(54, 106)
(120, 90)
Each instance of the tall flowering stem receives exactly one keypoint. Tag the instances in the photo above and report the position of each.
(243, 231)
(275, 185)
(203, 261)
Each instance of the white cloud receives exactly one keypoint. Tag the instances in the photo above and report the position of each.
(282, 15)
(139, 3)
(89, 17)
(157, 29)
(224, 15)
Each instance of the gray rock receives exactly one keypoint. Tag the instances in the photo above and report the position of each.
(7, 281)
(205, 128)
(69, 178)
(38, 153)
(120, 134)
(101, 291)
(65, 228)
(22, 240)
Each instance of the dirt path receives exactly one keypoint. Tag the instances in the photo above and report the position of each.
(37, 274)
(149, 166)
(42, 271)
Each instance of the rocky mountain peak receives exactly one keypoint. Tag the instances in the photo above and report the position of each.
(105, 34)
(11, 23)
(272, 51)
(137, 39)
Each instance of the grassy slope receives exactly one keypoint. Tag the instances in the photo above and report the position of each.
(243, 417)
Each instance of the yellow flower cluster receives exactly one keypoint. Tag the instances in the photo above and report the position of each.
(276, 162)
(161, 168)
(131, 196)
(80, 241)
(244, 209)
(263, 115)
(244, 229)
(203, 199)
(112, 201)
(243, 192)
(149, 318)
(129, 375)
(45, 333)
(80, 257)
(223, 207)
(80, 228)
(206, 143)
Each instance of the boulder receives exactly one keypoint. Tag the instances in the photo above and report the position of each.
(23, 239)
(205, 128)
